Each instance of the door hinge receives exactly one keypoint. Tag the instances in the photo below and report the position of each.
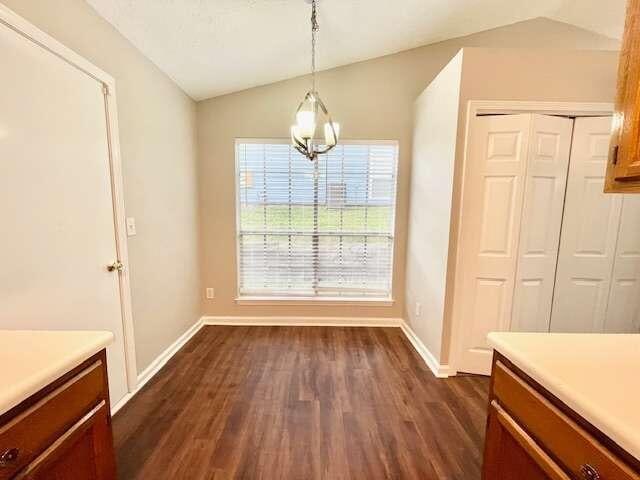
(614, 155)
(105, 89)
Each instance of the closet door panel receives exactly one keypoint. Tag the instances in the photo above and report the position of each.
(623, 312)
(548, 162)
(589, 233)
(494, 190)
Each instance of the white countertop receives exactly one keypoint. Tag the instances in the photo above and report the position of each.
(31, 360)
(596, 375)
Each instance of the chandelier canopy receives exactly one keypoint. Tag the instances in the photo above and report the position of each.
(312, 111)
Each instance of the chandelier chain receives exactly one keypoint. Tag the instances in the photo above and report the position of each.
(314, 32)
(312, 109)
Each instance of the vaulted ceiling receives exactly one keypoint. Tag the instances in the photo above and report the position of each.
(213, 47)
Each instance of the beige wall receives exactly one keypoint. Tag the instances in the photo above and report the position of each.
(372, 100)
(432, 168)
(157, 135)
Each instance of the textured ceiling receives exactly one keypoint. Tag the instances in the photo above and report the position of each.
(213, 47)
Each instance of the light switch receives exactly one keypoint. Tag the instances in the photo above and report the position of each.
(131, 226)
(210, 293)
(418, 309)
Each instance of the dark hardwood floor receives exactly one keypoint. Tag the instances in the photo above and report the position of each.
(301, 403)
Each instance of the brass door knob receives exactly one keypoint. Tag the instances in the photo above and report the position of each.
(116, 266)
(9, 456)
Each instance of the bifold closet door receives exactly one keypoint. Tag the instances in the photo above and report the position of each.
(498, 185)
(589, 233)
(546, 179)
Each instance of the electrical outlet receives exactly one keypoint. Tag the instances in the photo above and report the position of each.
(418, 309)
(211, 293)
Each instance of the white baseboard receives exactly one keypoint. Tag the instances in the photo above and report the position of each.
(123, 401)
(439, 370)
(155, 366)
(304, 321)
(160, 361)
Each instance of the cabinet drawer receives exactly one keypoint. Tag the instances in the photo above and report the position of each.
(30, 432)
(565, 440)
(511, 453)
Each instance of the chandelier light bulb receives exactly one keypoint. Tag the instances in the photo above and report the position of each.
(331, 135)
(306, 122)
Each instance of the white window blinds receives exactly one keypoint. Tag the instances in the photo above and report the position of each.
(316, 229)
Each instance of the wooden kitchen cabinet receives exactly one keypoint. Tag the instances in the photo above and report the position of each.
(531, 435)
(63, 431)
(623, 169)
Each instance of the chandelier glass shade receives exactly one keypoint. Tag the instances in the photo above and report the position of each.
(312, 111)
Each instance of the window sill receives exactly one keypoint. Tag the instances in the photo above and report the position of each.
(324, 301)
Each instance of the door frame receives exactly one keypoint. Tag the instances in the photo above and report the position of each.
(32, 33)
(499, 107)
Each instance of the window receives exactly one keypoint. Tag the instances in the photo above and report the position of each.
(320, 229)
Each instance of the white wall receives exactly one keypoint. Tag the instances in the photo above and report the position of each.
(432, 169)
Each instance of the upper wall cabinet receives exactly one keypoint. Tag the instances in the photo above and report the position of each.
(623, 170)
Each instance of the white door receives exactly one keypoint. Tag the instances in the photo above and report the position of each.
(589, 233)
(623, 310)
(55, 200)
(492, 204)
(547, 166)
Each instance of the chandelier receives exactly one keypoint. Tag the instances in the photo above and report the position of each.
(312, 110)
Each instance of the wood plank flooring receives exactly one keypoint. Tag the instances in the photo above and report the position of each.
(302, 403)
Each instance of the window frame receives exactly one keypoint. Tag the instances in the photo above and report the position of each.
(311, 300)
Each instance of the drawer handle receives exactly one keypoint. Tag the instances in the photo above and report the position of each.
(9, 457)
(589, 473)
